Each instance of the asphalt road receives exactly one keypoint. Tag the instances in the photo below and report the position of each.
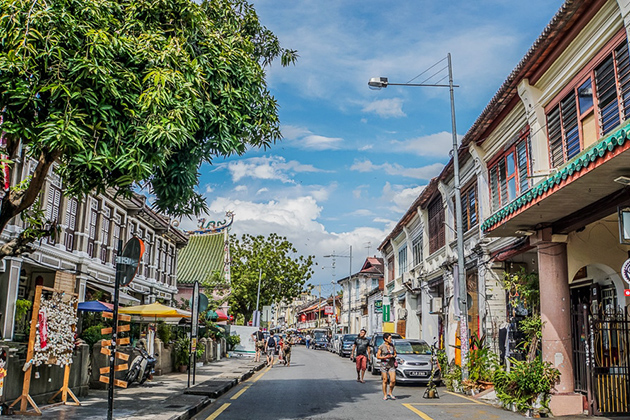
(321, 385)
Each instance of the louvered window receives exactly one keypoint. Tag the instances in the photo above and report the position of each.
(416, 249)
(469, 207)
(402, 260)
(106, 222)
(509, 173)
(53, 205)
(92, 222)
(436, 225)
(71, 223)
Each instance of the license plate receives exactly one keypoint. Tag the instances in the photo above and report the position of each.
(417, 373)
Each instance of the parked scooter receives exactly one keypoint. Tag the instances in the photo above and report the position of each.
(142, 367)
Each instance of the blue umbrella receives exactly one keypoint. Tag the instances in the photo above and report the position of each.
(94, 306)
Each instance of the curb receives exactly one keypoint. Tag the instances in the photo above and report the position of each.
(203, 404)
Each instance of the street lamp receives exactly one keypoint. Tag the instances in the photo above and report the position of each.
(377, 83)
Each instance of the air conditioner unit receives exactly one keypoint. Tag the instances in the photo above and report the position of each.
(435, 305)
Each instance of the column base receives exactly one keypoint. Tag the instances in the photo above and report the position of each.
(566, 404)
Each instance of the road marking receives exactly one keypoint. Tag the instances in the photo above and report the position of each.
(418, 412)
(239, 393)
(449, 404)
(218, 412)
(261, 374)
(466, 398)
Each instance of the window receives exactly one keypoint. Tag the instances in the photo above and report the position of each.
(416, 250)
(147, 255)
(597, 104)
(509, 178)
(92, 220)
(402, 260)
(106, 221)
(436, 225)
(469, 207)
(71, 223)
(117, 232)
(53, 205)
(390, 269)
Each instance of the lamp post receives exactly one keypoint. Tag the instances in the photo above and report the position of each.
(334, 256)
(383, 82)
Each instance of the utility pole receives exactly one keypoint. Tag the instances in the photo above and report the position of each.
(333, 256)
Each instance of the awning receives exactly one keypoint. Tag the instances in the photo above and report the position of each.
(122, 296)
(95, 306)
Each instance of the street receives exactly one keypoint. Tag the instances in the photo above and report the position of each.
(321, 385)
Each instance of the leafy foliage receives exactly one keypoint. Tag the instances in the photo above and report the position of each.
(481, 361)
(121, 92)
(92, 335)
(274, 259)
(525, 382)
(523, 289)
(232, 341)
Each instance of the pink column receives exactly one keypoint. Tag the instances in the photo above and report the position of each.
(555, 311)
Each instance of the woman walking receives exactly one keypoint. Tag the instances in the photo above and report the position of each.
(387, 355)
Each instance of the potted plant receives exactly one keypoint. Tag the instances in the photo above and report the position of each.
(182, 354)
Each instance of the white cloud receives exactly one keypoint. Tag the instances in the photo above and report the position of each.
(386, 108)
(303, 138)
(361, 213)
(400, 197)
(437, 145)
(266, 168)
(366, 147)
(209, 189)
(240, 188)
(424, 172)
(262, 190)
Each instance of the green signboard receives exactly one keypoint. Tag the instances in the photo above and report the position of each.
(378, 306)
(386, 313)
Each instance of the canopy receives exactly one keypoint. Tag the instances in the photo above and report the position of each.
(155, 309)
(95, 306)
(217, 315)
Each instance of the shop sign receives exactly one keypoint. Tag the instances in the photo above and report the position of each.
(625, 271)
(378, 306)
(386, 310)
(328, 310)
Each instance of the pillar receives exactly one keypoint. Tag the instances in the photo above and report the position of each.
(8, 295)
(555, 312)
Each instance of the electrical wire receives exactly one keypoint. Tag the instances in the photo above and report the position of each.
(427, 70)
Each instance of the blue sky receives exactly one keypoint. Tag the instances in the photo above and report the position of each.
(352, 160)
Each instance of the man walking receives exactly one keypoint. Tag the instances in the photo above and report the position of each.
(361, 353)
(270, 349)
(288, 343)
(259, 343)
(308, 341)
(387, 355)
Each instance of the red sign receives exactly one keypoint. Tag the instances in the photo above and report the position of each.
(302, 318)
(626, 292)
(328, 310)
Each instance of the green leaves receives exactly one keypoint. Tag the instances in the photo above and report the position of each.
(130, 91)
(283, 274)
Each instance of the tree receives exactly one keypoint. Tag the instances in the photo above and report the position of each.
(126, 92)
(282, 272)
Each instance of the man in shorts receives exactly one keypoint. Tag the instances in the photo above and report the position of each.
(270, 349)
(288, 343)
(361, 353)
(387, 355)
(259, 342)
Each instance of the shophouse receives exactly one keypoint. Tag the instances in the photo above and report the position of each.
(354, 305)
(85, 249)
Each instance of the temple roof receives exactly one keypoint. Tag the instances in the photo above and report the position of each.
(204, 255)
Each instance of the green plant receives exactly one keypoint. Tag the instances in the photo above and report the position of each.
(182, 351)
(523, 290)
(452, 377)
(22, 306)
(201, 349)
(164, 332)
(232, 341)
(527, 383)
(92, 335)
(481, 362)
(532, 328)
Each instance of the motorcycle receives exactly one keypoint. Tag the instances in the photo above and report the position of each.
(142, 367)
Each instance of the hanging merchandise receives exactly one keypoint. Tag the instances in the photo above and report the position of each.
(55, 335)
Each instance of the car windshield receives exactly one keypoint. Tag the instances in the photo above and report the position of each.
(406, 347)
(379, 339)
(349, 337)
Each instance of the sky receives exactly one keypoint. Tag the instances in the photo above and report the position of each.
(352, 160)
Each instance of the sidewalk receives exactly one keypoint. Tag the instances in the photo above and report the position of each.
(163, 398)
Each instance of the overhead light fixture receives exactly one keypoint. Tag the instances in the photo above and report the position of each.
(377, 83)
(623, 180)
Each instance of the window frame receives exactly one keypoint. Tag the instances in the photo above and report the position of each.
(471, 187)
(523, 138)
(437, 234)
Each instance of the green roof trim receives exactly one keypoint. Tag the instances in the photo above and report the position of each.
(203, 256)
(596, 151)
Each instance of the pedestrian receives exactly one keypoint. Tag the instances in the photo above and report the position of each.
(259, 342)
(270, 349)
(308, 341)
(280, 342)
(387, 355)
(288, 343)
(361, 353)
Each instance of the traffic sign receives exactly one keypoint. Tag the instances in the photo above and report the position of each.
(128, 262)
(626, 292)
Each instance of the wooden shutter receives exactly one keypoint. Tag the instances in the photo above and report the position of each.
(494, 188)
(622, 61)
(105, 227)
(554, 134)
(523, 167)
(571, 138)
(436, 225)
(607, 95)
(71, 223)
(92, 222)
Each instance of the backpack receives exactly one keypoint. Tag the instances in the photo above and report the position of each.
(271, 342)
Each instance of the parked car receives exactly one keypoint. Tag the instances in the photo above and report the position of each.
(347, 341)
(415, 362)
(320, 339)
(376, 340)
(335, 343)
